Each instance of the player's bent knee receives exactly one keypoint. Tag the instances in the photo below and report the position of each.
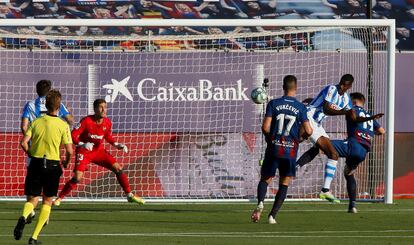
(118, 171)
(285, 180)
(266, 179)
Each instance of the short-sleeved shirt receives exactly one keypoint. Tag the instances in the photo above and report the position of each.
(287, 114)
(88, 130)
(329, 94)
(362, 132)
(37, 108)
(47, 134)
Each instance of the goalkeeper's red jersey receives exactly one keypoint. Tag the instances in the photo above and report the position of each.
(90, 131)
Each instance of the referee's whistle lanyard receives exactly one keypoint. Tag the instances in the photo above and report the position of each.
(44, 161)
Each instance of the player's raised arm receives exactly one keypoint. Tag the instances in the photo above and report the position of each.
(351, 115)
(66, 114)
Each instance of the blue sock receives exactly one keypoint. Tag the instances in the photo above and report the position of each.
(351, 188)
(261, 191)
(279, 199)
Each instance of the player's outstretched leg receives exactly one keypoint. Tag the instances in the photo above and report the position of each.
(69, 186)
(330, 168)
(308, 156)
(123, 181)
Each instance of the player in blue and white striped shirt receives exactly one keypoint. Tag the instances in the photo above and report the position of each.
(37, 108)
(331, 101)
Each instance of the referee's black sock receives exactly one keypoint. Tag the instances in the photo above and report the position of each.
(308, 156)
(279, 199)
(261, 191)
(351, 187)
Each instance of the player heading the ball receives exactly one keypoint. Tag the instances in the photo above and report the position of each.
(281, 128)
(331, 101)
(88, 137)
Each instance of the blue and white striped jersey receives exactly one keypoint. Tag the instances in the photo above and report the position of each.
(329, 94)
(37, 108)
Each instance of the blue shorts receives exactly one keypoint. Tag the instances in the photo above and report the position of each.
(353, 151)
(286, 166)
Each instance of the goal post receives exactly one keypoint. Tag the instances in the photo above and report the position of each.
(180, 101)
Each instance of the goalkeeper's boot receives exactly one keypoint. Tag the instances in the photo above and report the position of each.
(136, 199)
(272, 220)
(257, 212)
(34, 242)
(328, 196)
(353, 210)
(57, 202)
(18, 230)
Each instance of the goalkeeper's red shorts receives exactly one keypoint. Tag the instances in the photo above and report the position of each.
(100, 157)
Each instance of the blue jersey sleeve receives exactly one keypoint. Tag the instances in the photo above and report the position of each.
(376, 125)
(349, 105)
(26, 111)
(269, 110)
(303, 114)
(63, 111)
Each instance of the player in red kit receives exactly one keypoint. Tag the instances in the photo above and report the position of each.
(88, 137)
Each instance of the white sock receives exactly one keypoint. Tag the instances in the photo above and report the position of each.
(330, 169)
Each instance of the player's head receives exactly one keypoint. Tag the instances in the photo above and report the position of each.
(290, 84)
(100, 108)
(43, 87)
(53, 100)
(345, 83)
(358, 99)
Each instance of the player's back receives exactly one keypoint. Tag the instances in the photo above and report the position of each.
(47, 134)
(362, 132)
(330, 95)
(37, 108)
(287, 116)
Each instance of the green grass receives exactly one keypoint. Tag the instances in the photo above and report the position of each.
(299, 223)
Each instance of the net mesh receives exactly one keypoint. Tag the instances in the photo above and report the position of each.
(181, 104)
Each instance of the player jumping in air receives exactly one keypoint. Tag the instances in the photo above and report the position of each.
(88, 137)
(281, 126)
(331, 101)
(356, 146)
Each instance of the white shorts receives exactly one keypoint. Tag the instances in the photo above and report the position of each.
(317, 128)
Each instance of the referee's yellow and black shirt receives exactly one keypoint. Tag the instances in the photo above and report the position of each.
(47, 134)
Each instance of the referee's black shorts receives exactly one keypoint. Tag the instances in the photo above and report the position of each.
(42, 176)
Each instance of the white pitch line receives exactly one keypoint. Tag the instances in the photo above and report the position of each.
(239, 210)
(216, 235)
(235, 233)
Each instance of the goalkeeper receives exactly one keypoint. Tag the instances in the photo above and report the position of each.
(88, 137)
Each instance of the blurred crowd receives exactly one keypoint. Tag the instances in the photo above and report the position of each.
(401, 10)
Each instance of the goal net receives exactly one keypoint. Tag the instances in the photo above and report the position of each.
(178, 95)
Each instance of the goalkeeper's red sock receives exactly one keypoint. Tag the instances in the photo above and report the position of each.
(123, 181)
(69, 186)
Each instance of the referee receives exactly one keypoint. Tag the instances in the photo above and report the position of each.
(46, 134)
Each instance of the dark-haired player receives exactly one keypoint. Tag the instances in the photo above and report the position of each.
(357, 145)
(281, 125)
(332, 100)
(88, 137)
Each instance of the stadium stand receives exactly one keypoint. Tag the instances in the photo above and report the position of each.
(401, 10)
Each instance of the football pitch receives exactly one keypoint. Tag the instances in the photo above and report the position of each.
(299, 223)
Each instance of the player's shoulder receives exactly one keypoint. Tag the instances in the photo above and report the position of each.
(107, 121)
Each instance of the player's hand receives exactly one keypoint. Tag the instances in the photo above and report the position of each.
(121, 147)
(88, 146)
(378, 116)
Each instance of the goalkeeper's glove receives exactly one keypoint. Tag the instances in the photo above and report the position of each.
(88, 146)
(121, 147)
